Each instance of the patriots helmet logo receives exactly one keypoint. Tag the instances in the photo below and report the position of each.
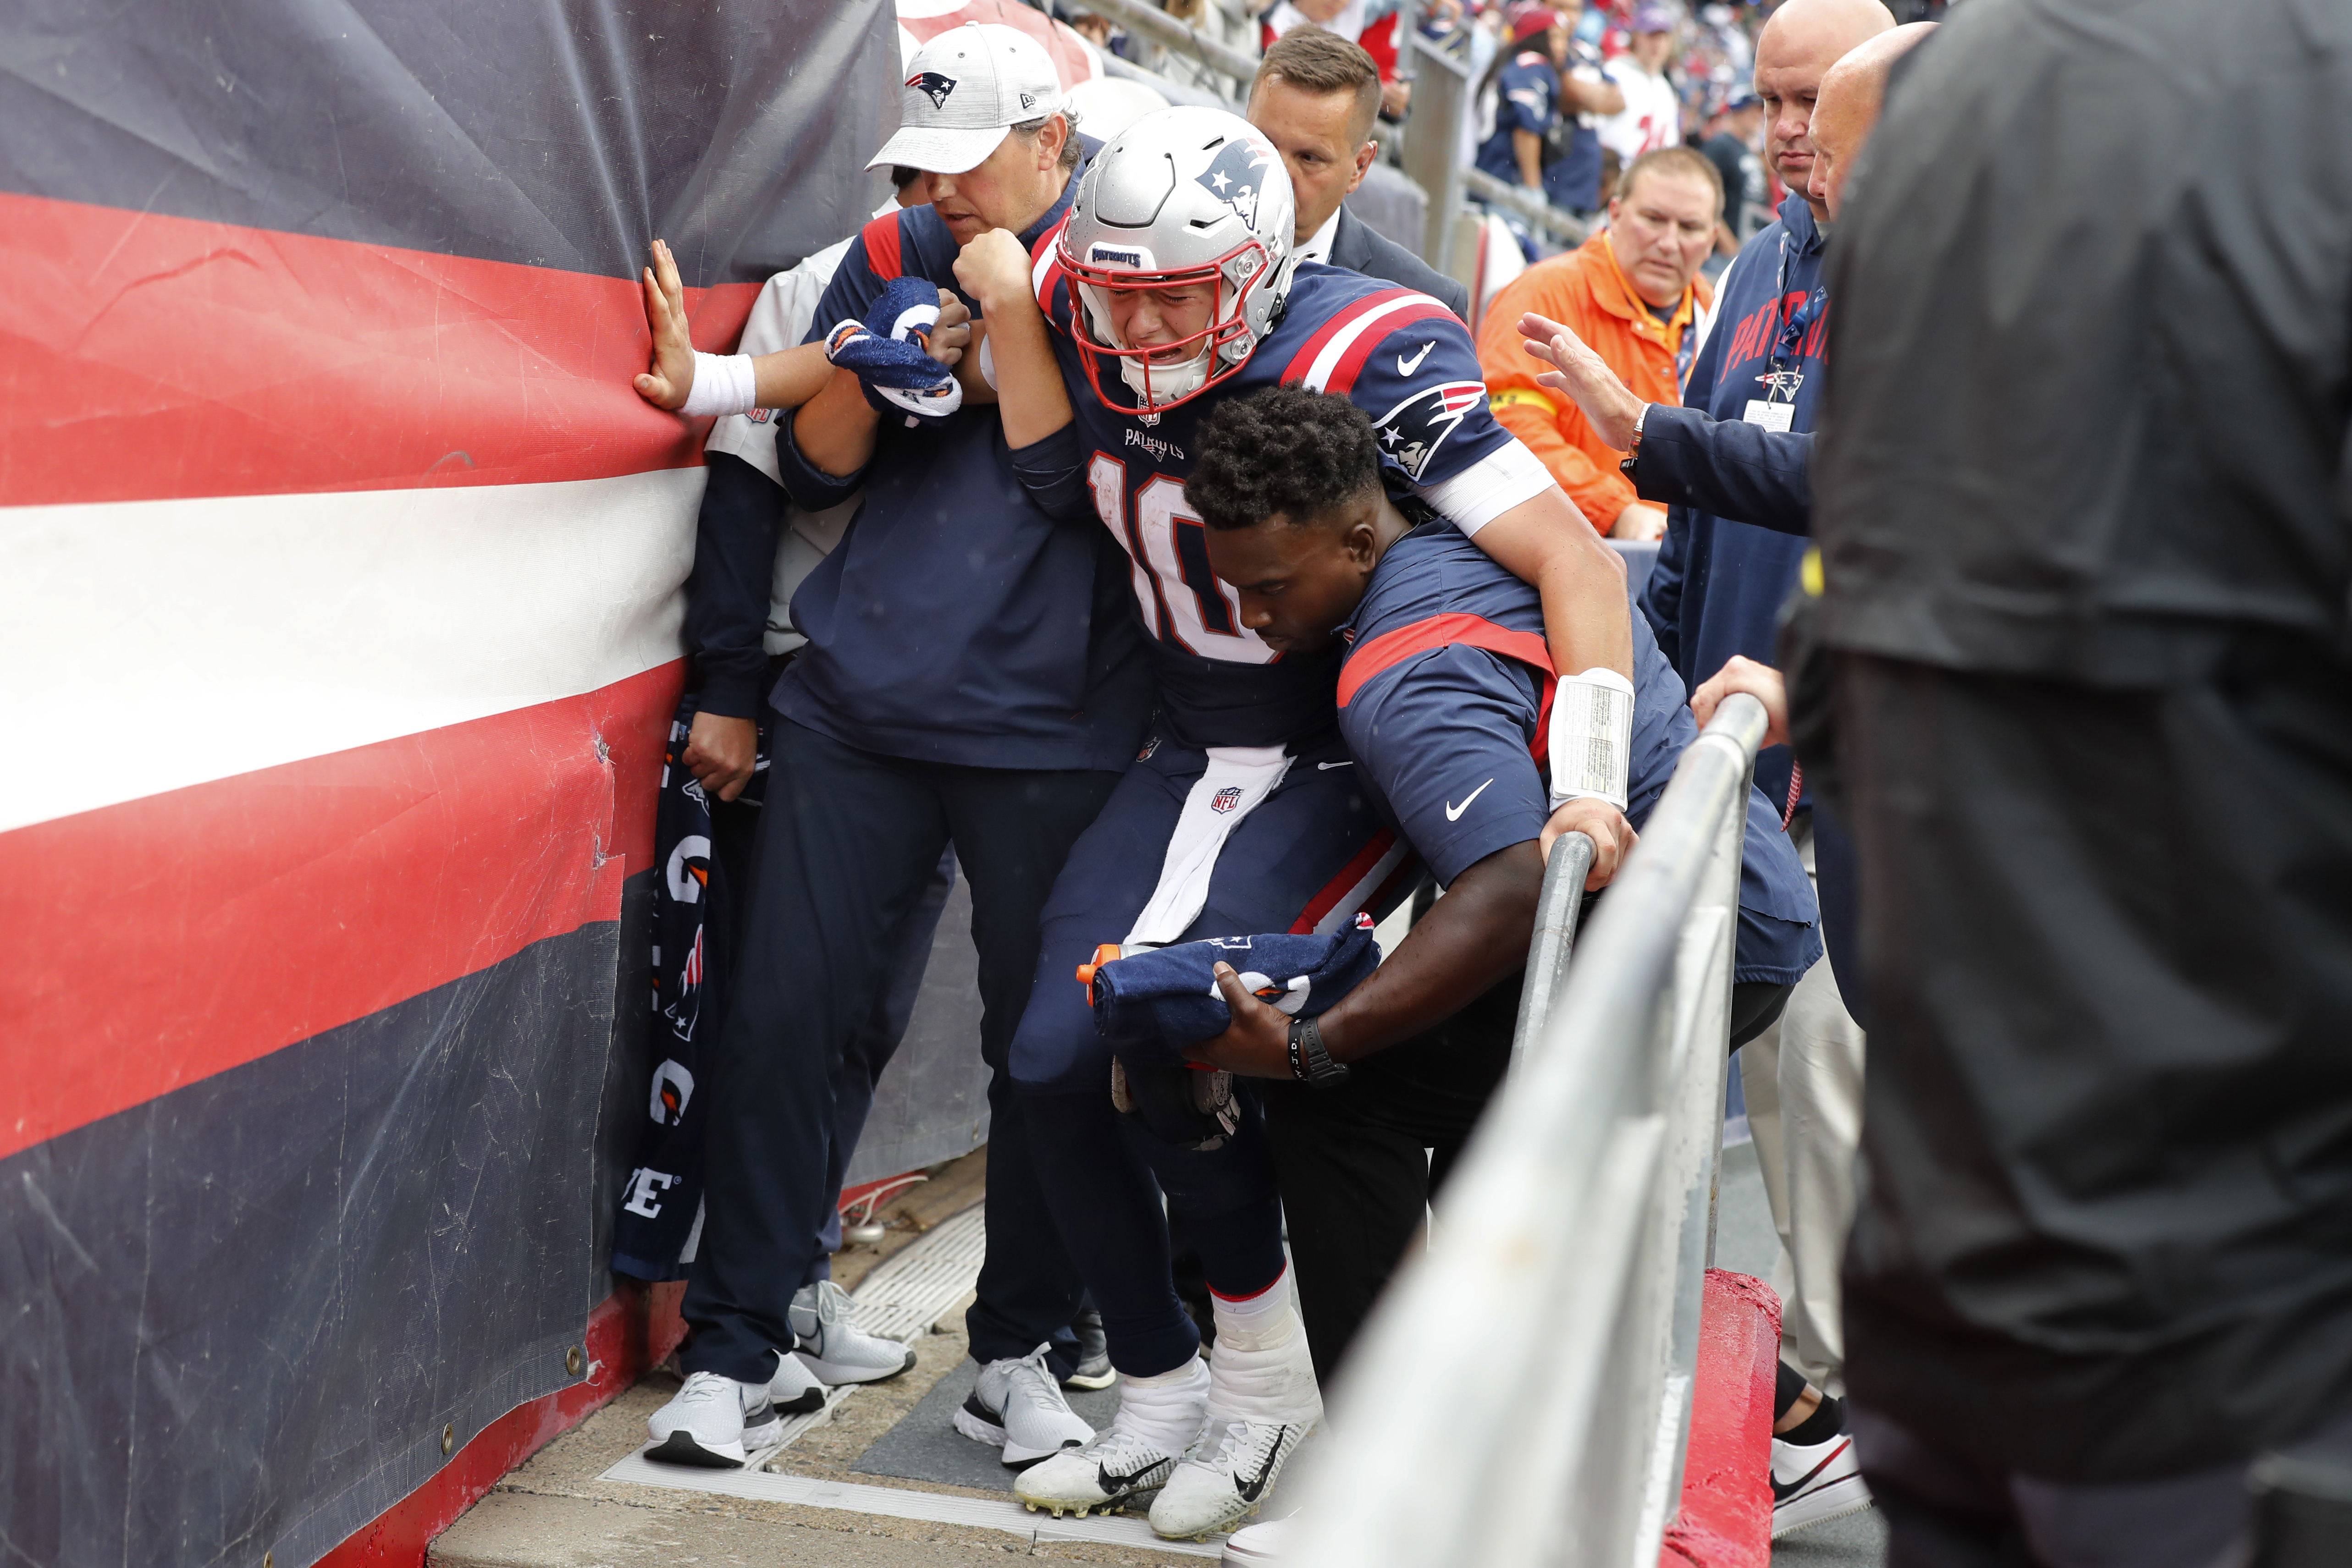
(1236, 177)
(933, 85)
(1412, 432)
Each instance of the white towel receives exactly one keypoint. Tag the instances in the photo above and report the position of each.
(1238, 778)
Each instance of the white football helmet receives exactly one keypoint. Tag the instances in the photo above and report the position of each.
(1183, 196)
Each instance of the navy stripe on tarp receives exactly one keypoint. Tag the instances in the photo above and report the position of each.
(240, 1315)
(561, 135)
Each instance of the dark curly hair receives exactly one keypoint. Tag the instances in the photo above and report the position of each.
(1284, 450)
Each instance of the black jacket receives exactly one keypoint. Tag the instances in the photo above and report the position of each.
(2089, 391)
(2092, 354)
(1359, 249)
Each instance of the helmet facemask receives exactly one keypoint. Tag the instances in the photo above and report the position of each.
(1164, 375)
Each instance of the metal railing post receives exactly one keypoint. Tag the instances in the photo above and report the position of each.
(1577, 1225)
(1440, 96)
(1558, 907)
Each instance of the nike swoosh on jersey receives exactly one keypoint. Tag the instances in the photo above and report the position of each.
(1454, 813)
(1326, 766)
(1406, 367)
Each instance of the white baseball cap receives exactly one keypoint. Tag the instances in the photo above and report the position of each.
(965, 89)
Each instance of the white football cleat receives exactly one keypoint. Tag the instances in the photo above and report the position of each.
(1017, 1408)
(1159, 1418)
(833, 1350)
(1215, 1490)
(714, 1422)
(1263, 1402)
(1814, 1481)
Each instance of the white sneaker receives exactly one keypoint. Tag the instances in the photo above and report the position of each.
(833, 1350)
(1814, 1481)
(794, 1390)
(1263, 1402)
(714, 1422)
(1159, 1418)
(1256, 1545)
(1017, 1408)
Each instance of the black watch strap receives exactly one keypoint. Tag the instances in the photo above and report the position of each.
(1309, 1062)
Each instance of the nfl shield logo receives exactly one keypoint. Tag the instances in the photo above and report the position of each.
(1225, 800)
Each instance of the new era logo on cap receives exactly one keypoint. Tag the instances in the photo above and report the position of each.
(965, 89)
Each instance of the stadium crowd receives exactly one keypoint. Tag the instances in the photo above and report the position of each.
(1126, 527)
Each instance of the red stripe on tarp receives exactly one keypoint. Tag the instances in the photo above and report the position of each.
(171, 357)
(1726, 1520)
(628, 1334)
(166, 939)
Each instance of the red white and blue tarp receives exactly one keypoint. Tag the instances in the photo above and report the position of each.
(339, 572)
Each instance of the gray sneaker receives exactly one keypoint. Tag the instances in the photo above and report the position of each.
(714, 1422)
(833, 1350)
(1092, 1367)
(1017, 1408)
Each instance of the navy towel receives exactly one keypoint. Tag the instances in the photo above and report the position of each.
(888, 352)
(1169, 996)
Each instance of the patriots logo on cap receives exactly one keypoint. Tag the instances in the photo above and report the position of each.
(1236, 177)
(933, 85)
(1412, 432)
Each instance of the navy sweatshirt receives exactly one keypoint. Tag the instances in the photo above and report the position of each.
(956, 623)
(1718, 587)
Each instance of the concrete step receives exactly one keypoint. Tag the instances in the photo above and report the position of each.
(587, 1502)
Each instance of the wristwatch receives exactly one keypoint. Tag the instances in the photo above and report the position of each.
(1625, 464)
(1309, 1062)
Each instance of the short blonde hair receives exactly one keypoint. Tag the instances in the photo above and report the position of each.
(1671, 161)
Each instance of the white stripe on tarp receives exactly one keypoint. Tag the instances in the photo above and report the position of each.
(211, 637)
(888, 1502)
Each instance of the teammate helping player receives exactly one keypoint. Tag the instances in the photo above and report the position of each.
(1170, 288)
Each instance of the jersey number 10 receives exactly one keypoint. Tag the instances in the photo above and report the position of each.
(1182, 600)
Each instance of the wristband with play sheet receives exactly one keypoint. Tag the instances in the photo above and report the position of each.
(1591, 737)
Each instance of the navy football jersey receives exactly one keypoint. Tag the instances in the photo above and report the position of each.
(1404, 358)
(1445, 702)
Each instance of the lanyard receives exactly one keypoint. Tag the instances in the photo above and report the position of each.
(1684, 352)
(1778, 377)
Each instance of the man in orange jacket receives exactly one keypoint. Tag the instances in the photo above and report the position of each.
(1633, 292)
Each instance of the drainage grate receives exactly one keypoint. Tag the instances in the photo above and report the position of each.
(904, 1296)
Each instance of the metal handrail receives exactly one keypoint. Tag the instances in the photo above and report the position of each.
(1565, 228)
(1180, 38)
(1571, 1244)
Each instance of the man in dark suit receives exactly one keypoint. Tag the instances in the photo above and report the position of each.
(1315, 97)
